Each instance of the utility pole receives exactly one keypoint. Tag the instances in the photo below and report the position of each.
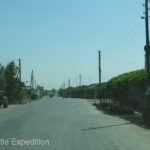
(32, 80)
(35, 84)
(146, 106)
(64, 85)
(20, 69)
(147, 47)
(31, 83)
(69, 83)
(80, 79)
(99, 58)
(20, 79)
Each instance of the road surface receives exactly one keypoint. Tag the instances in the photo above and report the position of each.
(67, 124)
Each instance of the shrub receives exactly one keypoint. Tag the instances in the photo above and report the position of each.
(104, 105)
(123, 110)
(127, 89)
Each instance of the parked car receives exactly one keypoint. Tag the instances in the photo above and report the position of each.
(51, 95)
(65, 95)
(34, 96)
(3, 100)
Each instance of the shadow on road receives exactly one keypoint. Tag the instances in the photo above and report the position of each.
(135, 119)
(105, 126)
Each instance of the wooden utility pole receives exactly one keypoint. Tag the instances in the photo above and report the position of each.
(20, 80)
(80, 79)
(147, 46)
(31, 83)
(99, 58)
(20, 69)
(64, 85)
(69, 83)
(35, 84)
(146, 106)
(32, 80)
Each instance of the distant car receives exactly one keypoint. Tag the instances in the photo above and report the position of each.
(51, 95)
(3, 100)
(64, 95)
(35, 96)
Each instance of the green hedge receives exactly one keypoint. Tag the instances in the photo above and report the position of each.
(127, 89)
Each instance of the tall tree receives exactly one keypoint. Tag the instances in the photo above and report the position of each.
(12, 83)
(2, 79)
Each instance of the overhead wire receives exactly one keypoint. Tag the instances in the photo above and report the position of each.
(125, 42)
(128, 34)
(126, 31)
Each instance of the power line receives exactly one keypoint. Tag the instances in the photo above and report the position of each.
(127, 31)
(122, 44)
(123, 61)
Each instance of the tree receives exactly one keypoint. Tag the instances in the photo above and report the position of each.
(2, 79)
(41, 90)
(13, 86)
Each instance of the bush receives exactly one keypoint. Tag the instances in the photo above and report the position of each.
(146, 116)
(126, 90)
(123, 110)
(95, 104)
(104, 105)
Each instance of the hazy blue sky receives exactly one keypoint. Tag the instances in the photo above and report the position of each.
(60, 39)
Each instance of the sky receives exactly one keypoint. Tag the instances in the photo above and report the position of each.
(60, 39)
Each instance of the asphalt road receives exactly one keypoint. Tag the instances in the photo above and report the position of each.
(67, 124)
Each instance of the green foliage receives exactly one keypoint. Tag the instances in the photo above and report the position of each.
(122, 110)
(10, 83)
(104, 105)
(120, 88)
(41, 90)
(13, 86)
(14, 89)
(2, 79)
(146, 116)
(127, 89)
